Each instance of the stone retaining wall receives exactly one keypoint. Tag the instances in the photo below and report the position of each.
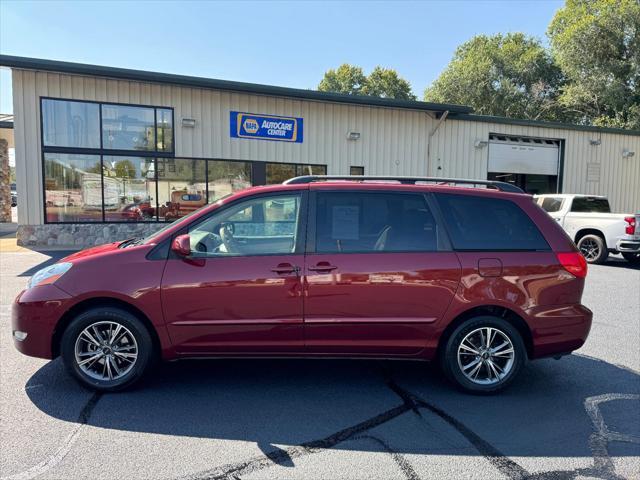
(5, 182)
(81, 235)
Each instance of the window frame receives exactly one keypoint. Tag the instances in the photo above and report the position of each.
(101, 150)
(257, 168)
(301, 231)
(443, 243)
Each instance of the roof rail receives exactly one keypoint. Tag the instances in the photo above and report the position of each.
(502, 186)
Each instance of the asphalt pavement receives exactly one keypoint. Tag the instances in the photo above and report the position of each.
(578, 417)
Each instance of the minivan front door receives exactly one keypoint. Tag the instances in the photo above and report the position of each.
(240, 290)
(378, 280)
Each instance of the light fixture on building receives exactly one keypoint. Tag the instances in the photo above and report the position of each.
(353, 135)
(626, 153)
(189, 122)
(595, 143)
(480, 143)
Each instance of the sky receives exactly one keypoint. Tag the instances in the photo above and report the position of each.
(281, 43)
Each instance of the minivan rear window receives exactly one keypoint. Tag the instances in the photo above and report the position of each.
(488, 224)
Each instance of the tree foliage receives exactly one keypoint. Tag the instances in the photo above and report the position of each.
(381, 82)
(596, 43)
(509, 75)
(590, 75)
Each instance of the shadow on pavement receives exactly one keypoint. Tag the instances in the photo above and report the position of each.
(325, 403)
(54, 256)
(617, 261)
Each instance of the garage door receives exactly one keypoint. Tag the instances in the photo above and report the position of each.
(523, 155)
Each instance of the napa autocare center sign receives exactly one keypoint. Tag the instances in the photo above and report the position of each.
(266, 127)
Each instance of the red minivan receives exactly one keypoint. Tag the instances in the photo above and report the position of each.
(480, 279)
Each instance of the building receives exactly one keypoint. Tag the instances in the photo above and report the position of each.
(105, 153)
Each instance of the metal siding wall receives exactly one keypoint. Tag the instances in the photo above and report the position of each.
(453, 148)
(392, 141)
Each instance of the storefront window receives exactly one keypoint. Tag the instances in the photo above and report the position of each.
(70, 124)
(129, 189)
(182, 187)
(227, 177)
(73, 188)
(164, 130)
(128, 128)
(279, 172)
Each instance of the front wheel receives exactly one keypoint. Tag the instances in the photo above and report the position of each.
(106, 349)
(632, 258)
(483, 355)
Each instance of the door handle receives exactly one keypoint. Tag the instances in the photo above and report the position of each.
(283, 268)
(323, 267)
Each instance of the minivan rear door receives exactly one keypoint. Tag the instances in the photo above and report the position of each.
(376, 277)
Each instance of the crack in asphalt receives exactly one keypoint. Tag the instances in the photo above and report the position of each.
(260, 462)
(56, 457)
(603, 466)
(398, 458)
(499, 460)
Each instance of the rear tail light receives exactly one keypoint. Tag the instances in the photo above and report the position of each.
(574, 263)
(631, 225)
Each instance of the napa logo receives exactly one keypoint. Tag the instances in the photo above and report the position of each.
(250, 125)
(266, 127)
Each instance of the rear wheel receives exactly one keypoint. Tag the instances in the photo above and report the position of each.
(593, 248)
(633, 258)
(106, 348)
(483, 355)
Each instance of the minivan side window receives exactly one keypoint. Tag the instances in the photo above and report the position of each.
(363, 222)
(265, 225)
(479, 223)
(590, 205)
(551, 204)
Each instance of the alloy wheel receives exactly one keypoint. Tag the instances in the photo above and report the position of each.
(106, 351)
(486, 356)
(589, 249)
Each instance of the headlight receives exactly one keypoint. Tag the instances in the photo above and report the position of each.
(49, 274)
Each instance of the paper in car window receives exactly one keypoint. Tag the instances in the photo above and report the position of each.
(346, 222)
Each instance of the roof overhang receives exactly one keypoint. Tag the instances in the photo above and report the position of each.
(210, 83)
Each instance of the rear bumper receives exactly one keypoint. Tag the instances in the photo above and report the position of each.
(558, 329)
(34, 316)
(628, 244)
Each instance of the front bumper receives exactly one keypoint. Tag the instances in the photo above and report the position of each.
(34, 316)
(628, 244)
(558, 329)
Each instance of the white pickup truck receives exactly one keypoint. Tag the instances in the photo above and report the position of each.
(595, 230)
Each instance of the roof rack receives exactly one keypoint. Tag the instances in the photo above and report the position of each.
(502, 186)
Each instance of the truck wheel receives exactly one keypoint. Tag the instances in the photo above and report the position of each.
(483, 355)
(106, 349)
(632, 258)
(593, 249)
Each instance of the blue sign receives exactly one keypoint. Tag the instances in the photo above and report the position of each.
(266, 127)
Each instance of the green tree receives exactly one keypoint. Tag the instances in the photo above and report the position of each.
(381, 82)
(386, 83)
(346, 79)
(509, 75)
(125, 169)
(596, 43)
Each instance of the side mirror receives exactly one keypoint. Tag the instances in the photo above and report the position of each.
(182, 245)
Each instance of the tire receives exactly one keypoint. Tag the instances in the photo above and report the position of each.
(469, 332)
(632, 258)
(593, 248)
(84, 339)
